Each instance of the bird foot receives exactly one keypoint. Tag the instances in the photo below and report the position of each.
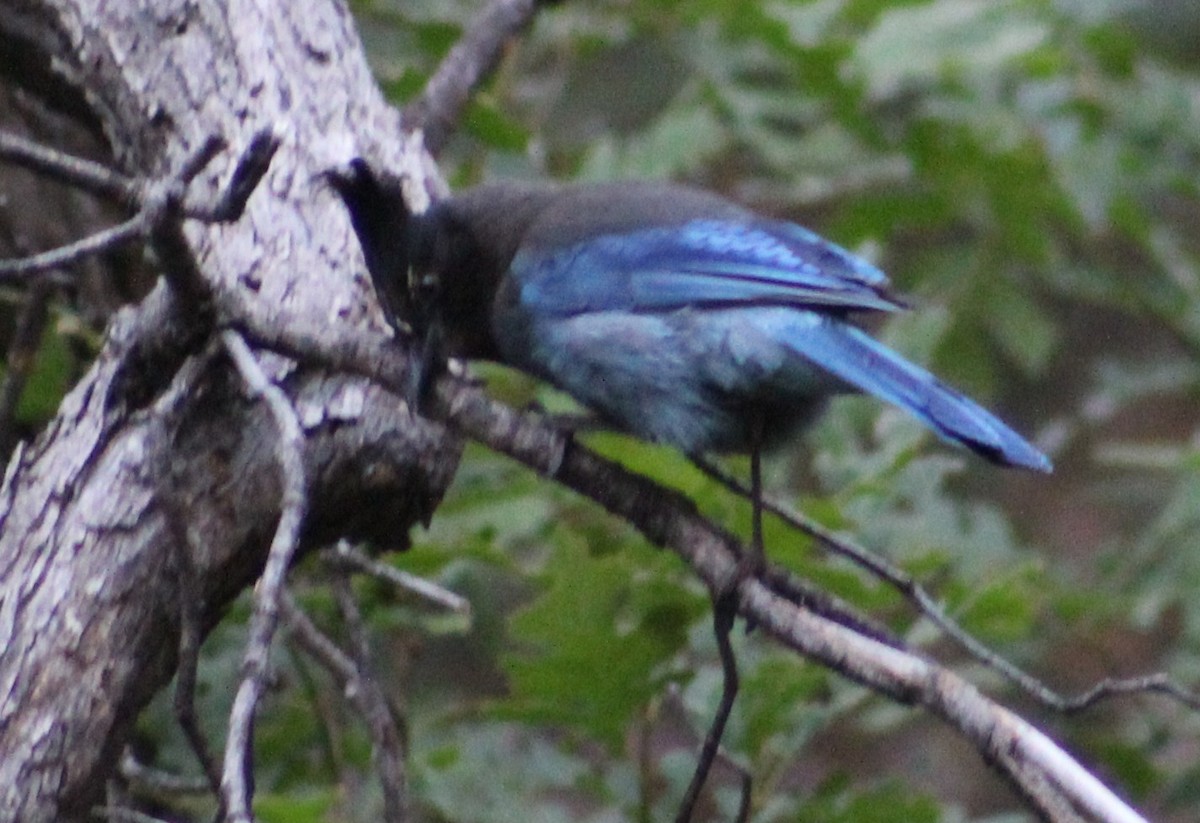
(749, 565)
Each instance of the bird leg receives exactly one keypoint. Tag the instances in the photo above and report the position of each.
(725, 603)
(724, 611)
(758, 552)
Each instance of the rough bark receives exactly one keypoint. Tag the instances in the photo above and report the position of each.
(90, 576)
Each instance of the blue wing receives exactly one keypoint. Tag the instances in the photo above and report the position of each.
(702, 263)
(783, 284)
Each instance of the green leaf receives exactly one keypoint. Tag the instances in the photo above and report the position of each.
(918, 45)
(1028, 336)
(834, 802)
(486, 122)
(594, 647)
(682, 138)
(49, 379)
(500, 773)
(294, 807)
(1003, 608)
(779, 697)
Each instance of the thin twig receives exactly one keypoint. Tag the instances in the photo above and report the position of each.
(251, 167)
(159, 202)
(135, 228)
(353, 675)
(75, 171)
(235, 780)
(473, 57)
(345, 556)
(807, 595)
(1158, 682)
(319, 646)
(198, 160)
(916, 594)
(388, 749)
(149, 781)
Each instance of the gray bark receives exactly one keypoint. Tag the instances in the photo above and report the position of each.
(90, 571)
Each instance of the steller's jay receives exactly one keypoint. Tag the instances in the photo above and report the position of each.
(674, 314)
(677, 315)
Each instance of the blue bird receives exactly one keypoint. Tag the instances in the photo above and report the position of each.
(673, 313)
(676, 315)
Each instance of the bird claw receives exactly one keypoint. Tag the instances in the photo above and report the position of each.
(748, 566)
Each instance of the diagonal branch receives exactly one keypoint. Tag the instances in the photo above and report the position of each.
(75, 171)
(158, 203)
(474, 56)
(347, 558)
(359, 683)
(235, 780)
(388, 750)
(135, 228)
(929, 608)
(1051, 781)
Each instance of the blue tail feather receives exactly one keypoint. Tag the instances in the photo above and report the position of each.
(857, 359)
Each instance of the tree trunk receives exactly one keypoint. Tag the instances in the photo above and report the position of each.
(91, 541)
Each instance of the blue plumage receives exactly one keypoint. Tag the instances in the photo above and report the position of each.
(677, 315)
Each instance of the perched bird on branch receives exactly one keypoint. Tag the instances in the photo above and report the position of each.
(674, 314)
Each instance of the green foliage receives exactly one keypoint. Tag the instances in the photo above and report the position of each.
(293, 807)
(884, 804)
(48, 379)
(597, 644)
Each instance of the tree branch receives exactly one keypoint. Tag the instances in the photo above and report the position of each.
(470, 61)
(347, 558)
(289, 445)
(91, 632)
(929, 608)
(1052, 782)
(358, 682)
(74, 171)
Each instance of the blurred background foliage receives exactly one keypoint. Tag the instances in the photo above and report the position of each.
(1025, 170)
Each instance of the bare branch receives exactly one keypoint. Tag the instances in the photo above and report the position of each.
(135, 228)
(346, 557)
(292, 504)
(251, 167)
(928, 607)
(158, 202)
(319, 646)
(388, 742)
(472, 58)
(1157, 683)
(66, 168)
(724, 610)
(353, 674)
